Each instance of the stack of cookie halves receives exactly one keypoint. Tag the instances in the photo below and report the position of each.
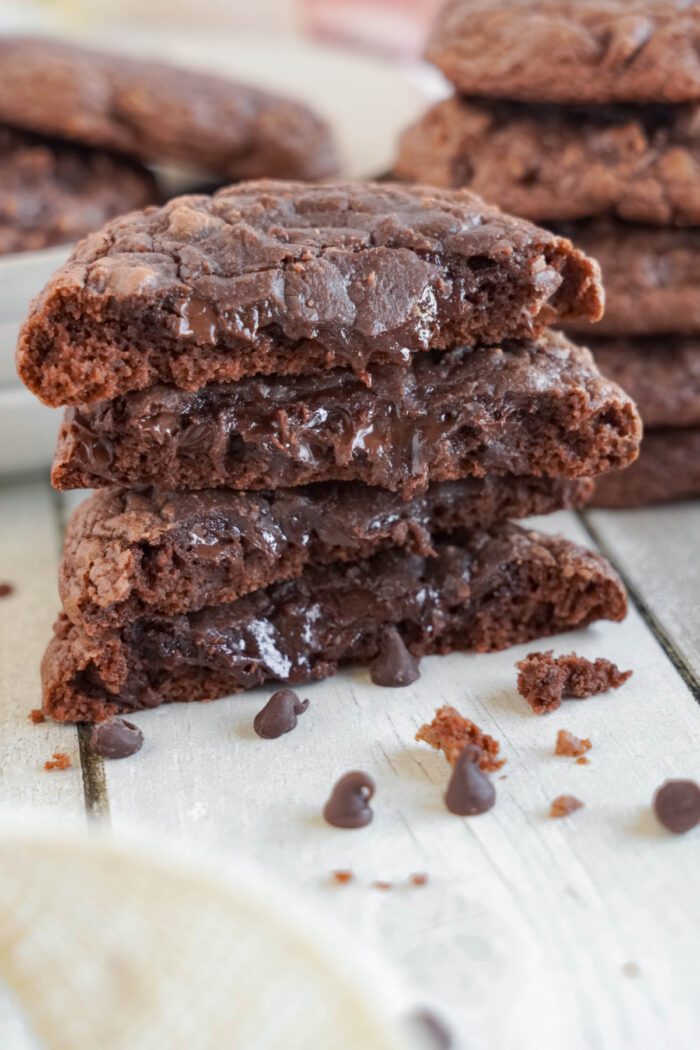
(585, 115)
(310, 413)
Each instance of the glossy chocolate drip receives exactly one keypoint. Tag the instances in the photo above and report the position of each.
(537, 408)
(498, 588)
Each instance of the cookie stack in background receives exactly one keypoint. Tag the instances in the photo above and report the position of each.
(78, 128)
(311, 412)
(584, 115)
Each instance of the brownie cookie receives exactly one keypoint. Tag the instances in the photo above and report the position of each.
(662, 375)
(571, 50)
(52, 193)
(285, 278)
(549, 162)
(497, 589)
(668, 469)
(159, 113)
(129, 554)
(537, 408)
(651, 276)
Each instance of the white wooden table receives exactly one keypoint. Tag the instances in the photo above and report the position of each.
(531, 933)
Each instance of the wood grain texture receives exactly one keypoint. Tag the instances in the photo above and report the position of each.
(527, 928)
(29, 545)
(657, 549)
(580, 933)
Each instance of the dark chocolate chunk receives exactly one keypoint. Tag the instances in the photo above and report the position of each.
(393, 665)
(279, 715)
(677, 805)
(116, 738)
(469, 791)
(6, 589)
(348, 806)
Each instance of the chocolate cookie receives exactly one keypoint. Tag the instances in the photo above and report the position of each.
(668, 469)
(662, 375)
(52, 193)
(158, 113)
(651, 276)
(571, 50)
(538, 408)
(285, 278)
(549, 162)
(496, 589)
(129, 554)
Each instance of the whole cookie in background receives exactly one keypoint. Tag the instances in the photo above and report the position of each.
(159, 113)
(571, 50)
(551, 162)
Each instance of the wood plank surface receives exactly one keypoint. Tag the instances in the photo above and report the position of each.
(530, 932)
(658, 550)
(29, 545)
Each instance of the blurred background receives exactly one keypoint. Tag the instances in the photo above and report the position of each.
(395, 27)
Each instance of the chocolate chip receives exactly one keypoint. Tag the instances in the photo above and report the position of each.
(279, 715)
(433, 1029)
(394, 665)
(6, 589)
(469, 791)
(116, 738)
(677, 805)
(348, 806)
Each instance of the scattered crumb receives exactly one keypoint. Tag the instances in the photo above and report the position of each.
(450, 733)
(379, 885)
(59, 761)
(563, 805)
(631, 969)
(544, 680)
(343, 877)
(582, 760)
(6, 589)
(570, 745)
(37, 716)
(418, 878)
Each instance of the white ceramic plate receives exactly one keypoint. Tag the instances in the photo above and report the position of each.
(21, 278)
(367, 101)
(28, 431)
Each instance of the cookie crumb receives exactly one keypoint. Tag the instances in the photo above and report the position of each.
(451, 732)
(59, 760)
(418, 878)
(582, 760)
(379, 885)
(544, 680)
(343, 876)
(6, 589)
(570, 745)
(563, 805)
(37, 716)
